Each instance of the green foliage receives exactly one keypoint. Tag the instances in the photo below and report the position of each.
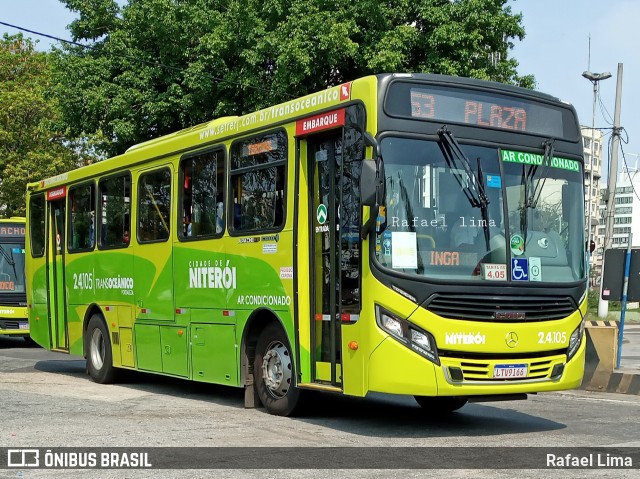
(157, 66)
(592, 300)
(31, 148)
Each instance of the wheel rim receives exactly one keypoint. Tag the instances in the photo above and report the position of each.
(277, 369)
(97, 349)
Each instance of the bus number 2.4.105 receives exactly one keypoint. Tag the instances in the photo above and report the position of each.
(555, 337)
(82, 280)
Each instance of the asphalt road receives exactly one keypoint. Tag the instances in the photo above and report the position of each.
(47, 401)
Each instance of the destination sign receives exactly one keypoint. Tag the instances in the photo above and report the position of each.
(479, 108)
(12, 230)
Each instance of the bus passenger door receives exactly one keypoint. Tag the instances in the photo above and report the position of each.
(334, 249)
(56, 278)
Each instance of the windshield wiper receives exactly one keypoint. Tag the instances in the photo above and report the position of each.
(532, 200)
(6, 256)
(483, 206)
(457, 160)
(9, 260)
(532, 193)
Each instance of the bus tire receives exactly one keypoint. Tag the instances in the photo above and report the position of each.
(440, 404)
(99, 354)
(274, 372)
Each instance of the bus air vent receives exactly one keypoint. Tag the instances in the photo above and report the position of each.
(477, 307)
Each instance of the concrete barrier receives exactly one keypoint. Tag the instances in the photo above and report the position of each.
(602, 348)
(601, 358)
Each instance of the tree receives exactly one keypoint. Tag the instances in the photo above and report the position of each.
(156, 66)
(30, 148)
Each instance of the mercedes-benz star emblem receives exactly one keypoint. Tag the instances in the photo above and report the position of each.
(511, 339)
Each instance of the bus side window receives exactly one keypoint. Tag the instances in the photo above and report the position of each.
(154, 199)
(258, 166)
(202, 179)
(36, 225)
(115, 214)
(82, 208)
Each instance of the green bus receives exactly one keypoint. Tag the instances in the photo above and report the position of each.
(401, 233)
(13, 295)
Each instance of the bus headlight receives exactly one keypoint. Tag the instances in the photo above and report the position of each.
(391, 325)
(420, 340)
(408, 334)
(425, 344)
(575, 340)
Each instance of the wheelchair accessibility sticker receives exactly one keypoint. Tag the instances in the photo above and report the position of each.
(519, 269)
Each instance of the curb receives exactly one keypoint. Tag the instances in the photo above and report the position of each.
(624, 383)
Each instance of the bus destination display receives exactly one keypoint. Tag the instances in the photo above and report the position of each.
(425, 104)
(480, 109)
(12, 230)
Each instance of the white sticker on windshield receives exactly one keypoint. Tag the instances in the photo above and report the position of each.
(535, 269)
(404, 253)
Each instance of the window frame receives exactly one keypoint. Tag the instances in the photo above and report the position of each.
(235, 172)
(180, 196)
(141, 175)
(69, 233)
(44, 224)
(125, 173)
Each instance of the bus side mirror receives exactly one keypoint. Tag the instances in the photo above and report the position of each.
(372, 183)
(370, 140)
(372, 179)
(368, 190)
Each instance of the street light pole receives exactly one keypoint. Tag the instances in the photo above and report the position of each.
(603, 305)
(593, 78)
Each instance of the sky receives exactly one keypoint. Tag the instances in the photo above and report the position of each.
(563, 39)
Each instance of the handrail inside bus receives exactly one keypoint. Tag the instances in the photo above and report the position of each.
(155, 205)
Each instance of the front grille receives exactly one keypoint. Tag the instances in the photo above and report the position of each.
(484, 372)
(13, 299)
(480, 370)
(8, 325)
(473, 356)
(475, 307)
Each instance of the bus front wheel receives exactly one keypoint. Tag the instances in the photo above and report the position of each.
(274, 372)
(440, 404)
(98, 348)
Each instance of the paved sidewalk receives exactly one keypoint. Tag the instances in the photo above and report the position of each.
(630, 357)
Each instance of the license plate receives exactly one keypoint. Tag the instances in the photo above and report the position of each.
(23, 326)
(509, 371)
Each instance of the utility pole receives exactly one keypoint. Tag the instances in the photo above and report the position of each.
(603, 306)
(594, 78)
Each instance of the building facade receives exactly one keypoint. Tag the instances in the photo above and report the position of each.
(592, 144)
(626, 215)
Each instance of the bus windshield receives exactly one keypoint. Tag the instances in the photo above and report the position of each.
(12, 268)
(495, 214)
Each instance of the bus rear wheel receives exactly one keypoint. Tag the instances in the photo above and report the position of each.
(274, 372)
(440, 404)
(98, 350)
